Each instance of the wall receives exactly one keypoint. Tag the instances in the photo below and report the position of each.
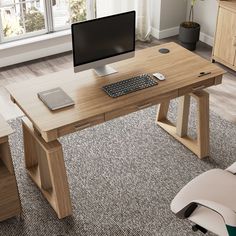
(205, 13)
(155, 17)
(170, 13)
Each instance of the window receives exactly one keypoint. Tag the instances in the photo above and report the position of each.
(66, 12)
(26, 18)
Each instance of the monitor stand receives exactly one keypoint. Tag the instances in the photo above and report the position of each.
(104, 70)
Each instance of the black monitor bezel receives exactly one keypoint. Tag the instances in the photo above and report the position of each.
(97, 19)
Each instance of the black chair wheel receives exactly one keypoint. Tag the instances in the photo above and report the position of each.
(195, 228)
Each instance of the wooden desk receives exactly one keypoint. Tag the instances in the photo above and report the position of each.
(9, 197)
(93, 106)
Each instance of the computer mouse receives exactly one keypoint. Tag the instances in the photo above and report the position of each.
(159, 76)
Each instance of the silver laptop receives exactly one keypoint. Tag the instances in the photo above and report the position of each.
(55, 99)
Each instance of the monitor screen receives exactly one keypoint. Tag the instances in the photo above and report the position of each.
(102, 38)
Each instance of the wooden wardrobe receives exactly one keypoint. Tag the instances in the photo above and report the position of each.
(225, 37)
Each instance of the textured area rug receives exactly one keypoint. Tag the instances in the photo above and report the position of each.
(123, 175)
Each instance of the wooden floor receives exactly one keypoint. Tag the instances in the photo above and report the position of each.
(222, 97)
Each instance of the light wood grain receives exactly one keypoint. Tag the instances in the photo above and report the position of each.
(180, 66)
(225, 37)
(45, 165)
(203, 138)
(222, 97)
(141, 105)
(228, 4)
(197, 86)
(163, 109)
(5, 129)
(187, 141)
(9, 197)
(199, 146)
(183, 115)
(93, 106)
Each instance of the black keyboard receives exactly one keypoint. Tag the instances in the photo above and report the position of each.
(129, 85)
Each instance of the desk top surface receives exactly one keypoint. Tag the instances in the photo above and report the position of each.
(5, 128)
(181, 68)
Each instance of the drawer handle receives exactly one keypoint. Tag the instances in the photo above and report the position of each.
(199, 88)
(144, 106)
(234, 40)
(80, 127)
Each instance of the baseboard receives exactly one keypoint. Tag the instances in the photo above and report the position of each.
(205, 38)
(155, 32)
(161, 34)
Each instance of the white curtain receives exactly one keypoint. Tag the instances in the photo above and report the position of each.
(143, 13)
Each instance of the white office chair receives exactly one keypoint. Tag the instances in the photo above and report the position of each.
(209, 201)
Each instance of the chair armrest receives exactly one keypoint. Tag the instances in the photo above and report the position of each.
(232, 168)
(228, 215)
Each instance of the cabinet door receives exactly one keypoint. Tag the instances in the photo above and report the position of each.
(225, 47)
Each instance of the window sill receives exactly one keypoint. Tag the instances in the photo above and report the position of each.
(34, 48)
(35, 39)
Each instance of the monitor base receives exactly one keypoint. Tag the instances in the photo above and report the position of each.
(105, 70)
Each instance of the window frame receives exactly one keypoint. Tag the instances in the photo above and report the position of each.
(49, 21)
(4, 39)
(1, 28)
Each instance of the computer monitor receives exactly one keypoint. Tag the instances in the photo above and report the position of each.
(102, 41)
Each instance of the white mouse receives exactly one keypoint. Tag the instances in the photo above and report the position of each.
(159, 76)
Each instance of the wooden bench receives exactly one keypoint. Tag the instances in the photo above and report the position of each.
(10, 204)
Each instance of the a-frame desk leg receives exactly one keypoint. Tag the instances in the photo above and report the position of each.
(200, 146)
(45, 165)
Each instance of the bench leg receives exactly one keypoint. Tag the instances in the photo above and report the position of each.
(200, 146)
(45, 165)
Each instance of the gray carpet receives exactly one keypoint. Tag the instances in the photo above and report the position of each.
(123, 175)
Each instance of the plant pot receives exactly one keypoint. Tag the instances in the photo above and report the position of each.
(189, 34)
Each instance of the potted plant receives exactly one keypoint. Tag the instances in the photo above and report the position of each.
(189, 31)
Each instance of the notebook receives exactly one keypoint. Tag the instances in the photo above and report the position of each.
(55, 99)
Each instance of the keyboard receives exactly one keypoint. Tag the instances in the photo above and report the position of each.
(130, 85)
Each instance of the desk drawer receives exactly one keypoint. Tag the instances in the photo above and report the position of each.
(123, 111)
(140, 105)
(80, 125)
(197, 86)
